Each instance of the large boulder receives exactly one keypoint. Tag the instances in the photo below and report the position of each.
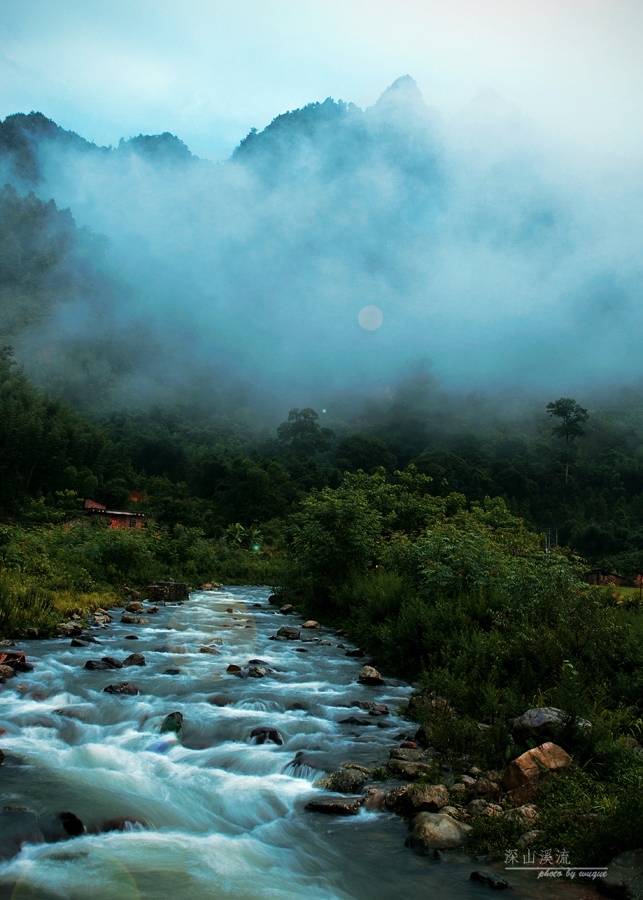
(172, 724)
(370, 676)
(624, 876)
(416, 798)
(522, 775)
(543, 723)
(437, 831)
(346, 781)
(134, 659)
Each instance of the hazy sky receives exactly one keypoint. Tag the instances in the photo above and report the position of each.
(209, 70)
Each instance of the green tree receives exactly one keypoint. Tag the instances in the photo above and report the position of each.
(572, 418)
(302, 434)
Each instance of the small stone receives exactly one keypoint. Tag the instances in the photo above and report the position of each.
(495, 882)
(265, 734)
(135, 607)
(131, 637)
(234, 669)
(257, 671)
(78, 642)
(346, 781)
(311, 624)
(286, 609)
(209, 649)
(6, 672)
(468, 780)
(172, 672)
(122, 687)
(128, 619)
(357, 651)
(134, 659)
(290, 632)
(151, 610)
(172, 723)
(370, 676)
(437, 831)
(72, 824)
(333, 806)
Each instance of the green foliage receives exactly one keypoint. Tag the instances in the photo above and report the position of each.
(24, 606)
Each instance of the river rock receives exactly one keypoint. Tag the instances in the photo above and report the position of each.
(122, 687)
(437, 831)
(311, 624)
(107, 662)
(286, 609)
(134, 659)
(128, 619)
(333, 806)
(18, 826)
(354, 720)
(72, 824)
(151, 610)
(416, 798)
(290, 632)
(495, 882)
(266, 734)
(6, 672)
(234, 669)
(209, 649)
(357, 651)
(171, 671)
(409, 771)
(134, 607)
(543, 723)
(69, 629)
(173, 723)
(624, 876)
(258, 671)
(523, 774)
(378, 709)
(79, 642)
(346, 781)
(370, 676)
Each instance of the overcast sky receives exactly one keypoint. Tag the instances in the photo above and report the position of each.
(209, 70)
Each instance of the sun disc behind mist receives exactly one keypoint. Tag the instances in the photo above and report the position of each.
(370, 318)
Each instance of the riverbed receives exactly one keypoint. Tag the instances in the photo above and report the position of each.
(210, 812)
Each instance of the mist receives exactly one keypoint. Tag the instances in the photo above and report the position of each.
(500, 261)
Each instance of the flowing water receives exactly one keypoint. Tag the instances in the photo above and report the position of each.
(212, 815)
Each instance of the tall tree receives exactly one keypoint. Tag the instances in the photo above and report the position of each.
(572, 418)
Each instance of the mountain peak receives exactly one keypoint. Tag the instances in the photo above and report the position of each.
(403, 96)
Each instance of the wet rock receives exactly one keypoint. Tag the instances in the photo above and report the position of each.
(79, 642)
(332, 806)
(290, 632)
(324, 643)
(374, 798)
(409, 745)
(134, 659)
(220, 700)
(129, 619)
(409, 771)
(107, 662)
(33, 634)
(300, 650)
(233, 669)
(171, 671)
(437, 831)
(408, 754)
(286, 609)
(370, 676)
(131, 637)
(357, 651)
(258, 671)
(354, 720)
(172, 723)
(345, 781)
(209, 649)
(624, 876)
(69, 629)
(151, 610)
(72, 824)
(265, 734)
(522, 775)
(311, 624)
(18, 826)
(134, 607)
(6, 672)
(378, 709)
(122, 687)
(416, 798)
(543, 723)
(495, 882)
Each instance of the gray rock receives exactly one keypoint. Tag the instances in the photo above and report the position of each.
(416, 798)
(134, 659)
(543, 724)
(334, 806)
(624, 876)
(409, 771)
(345, 781)
(122, 687)
(172, 723)
(290, 632)
(437, 831)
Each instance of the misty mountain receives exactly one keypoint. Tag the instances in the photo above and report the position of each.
(495, 258)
